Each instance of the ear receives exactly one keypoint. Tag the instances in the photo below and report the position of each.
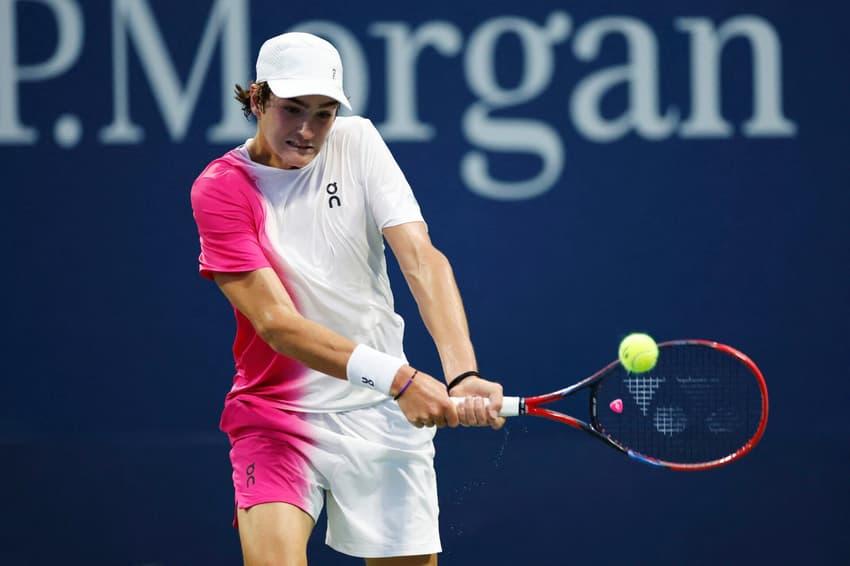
(255, 97)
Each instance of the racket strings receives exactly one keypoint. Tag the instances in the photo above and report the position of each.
(697, 405)
(643, 389)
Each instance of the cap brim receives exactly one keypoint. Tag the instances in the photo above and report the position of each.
(289, 88)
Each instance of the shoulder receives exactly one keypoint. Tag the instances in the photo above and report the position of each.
(353, 128)
(357, 140)
(223, 179)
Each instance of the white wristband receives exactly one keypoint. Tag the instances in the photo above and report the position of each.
(369, 368)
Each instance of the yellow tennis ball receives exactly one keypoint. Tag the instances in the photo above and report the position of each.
(638, 353)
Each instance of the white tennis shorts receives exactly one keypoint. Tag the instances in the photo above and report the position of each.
(374, 469)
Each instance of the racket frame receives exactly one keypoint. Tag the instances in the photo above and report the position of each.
(533, 406)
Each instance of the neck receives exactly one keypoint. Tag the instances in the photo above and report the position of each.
(260, 152)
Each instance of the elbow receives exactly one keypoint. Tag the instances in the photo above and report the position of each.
(270, 333)
(278, 330)
(426, 265)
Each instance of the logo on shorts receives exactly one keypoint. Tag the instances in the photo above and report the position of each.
(331, 189)
(367, 381)
(250, 471)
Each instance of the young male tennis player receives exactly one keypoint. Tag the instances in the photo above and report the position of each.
(324, 404)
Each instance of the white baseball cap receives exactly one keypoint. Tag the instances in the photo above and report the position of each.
(298, 64)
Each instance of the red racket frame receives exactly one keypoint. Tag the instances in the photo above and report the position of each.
(532, 406)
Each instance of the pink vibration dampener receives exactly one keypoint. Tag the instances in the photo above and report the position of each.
(616, 406)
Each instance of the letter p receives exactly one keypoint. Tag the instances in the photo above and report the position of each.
(69, 24)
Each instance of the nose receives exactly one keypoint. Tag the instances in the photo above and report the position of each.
(305, 130)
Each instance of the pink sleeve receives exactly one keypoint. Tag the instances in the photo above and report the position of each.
(230, 216)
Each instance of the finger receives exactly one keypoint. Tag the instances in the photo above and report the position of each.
(497, 423)
(496, 400)
(481, 412)
(462, 415)
(450, 415)
(468, 418)
(473, 412)
(438, 420)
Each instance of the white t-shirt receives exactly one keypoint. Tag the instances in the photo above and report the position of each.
(319, 228)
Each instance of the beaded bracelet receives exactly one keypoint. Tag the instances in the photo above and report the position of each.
(406, 385)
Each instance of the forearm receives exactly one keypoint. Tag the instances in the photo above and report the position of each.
(263, 300)
(433, 285)
(318, 347)
(310, 343)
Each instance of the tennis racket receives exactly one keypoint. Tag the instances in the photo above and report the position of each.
(702, 406)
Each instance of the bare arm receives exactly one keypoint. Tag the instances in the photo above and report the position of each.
(431, 280)
(262, 298)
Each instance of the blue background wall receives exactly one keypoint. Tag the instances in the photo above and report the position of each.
(117, 353)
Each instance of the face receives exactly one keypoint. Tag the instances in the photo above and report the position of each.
(292, 131)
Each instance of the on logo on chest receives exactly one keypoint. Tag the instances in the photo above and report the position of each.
(333, 197)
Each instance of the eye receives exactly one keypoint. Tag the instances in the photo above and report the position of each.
(325, 115)
(294, 110)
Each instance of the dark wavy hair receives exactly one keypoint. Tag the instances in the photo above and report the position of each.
(243, 95)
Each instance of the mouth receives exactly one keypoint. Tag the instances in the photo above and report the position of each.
(298, 146)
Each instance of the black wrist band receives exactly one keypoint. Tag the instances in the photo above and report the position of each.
(461, 377)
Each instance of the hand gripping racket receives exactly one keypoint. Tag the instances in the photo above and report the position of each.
(702, 406)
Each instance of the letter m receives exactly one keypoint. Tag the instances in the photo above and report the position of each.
(133, 21)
